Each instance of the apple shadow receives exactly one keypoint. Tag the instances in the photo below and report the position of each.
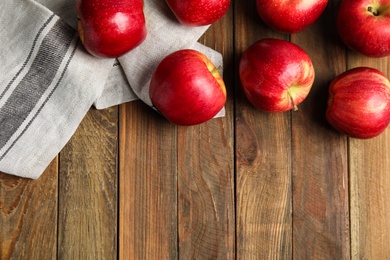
(315, 105)
(167, 12)
(328, 60)
(328, 26)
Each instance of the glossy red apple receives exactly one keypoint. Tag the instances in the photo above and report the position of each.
(364, 26)
(187, 88)
(359, 103)
(198, 12)
(290, 16)
(110, 28)
(276, 75)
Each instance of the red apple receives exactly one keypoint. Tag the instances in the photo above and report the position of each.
(110, 28)
(198, 12)
(359, 103)
(290, 16)
(187, 88)
(276, 75)
(364, 26)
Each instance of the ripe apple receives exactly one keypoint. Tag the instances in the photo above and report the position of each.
(364, 26)
(290, 16)
(198, 12)
(276, 75)
(359, 103)
(187, 88)
(110, 28)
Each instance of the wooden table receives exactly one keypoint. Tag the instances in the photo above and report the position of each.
(251, 185)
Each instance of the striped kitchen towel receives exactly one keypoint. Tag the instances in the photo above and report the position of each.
(48, 81)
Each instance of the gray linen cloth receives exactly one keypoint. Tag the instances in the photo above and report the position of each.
(48, 82)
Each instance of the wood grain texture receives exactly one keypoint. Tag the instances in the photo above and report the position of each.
(319, 154)
(370, 182)
(263, 160)
(148, 184)
(88, 183)
(206, 213)
(28, 216)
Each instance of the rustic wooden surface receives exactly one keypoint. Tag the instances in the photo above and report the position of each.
(251, 185)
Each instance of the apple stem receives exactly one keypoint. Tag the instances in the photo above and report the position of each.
(371, 10)
(295, 107)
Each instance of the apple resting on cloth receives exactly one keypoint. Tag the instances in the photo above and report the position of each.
(359, 103)
(187, 88)
(290, 16)
(364, 26)
(198, 12)
(110, 28)
(276, 75)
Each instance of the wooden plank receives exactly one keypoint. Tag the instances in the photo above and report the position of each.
(370, 182)
(319, 154)
(206, 213)
(87, 226)
(148, 184)
(28, 216)
(263, 160)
